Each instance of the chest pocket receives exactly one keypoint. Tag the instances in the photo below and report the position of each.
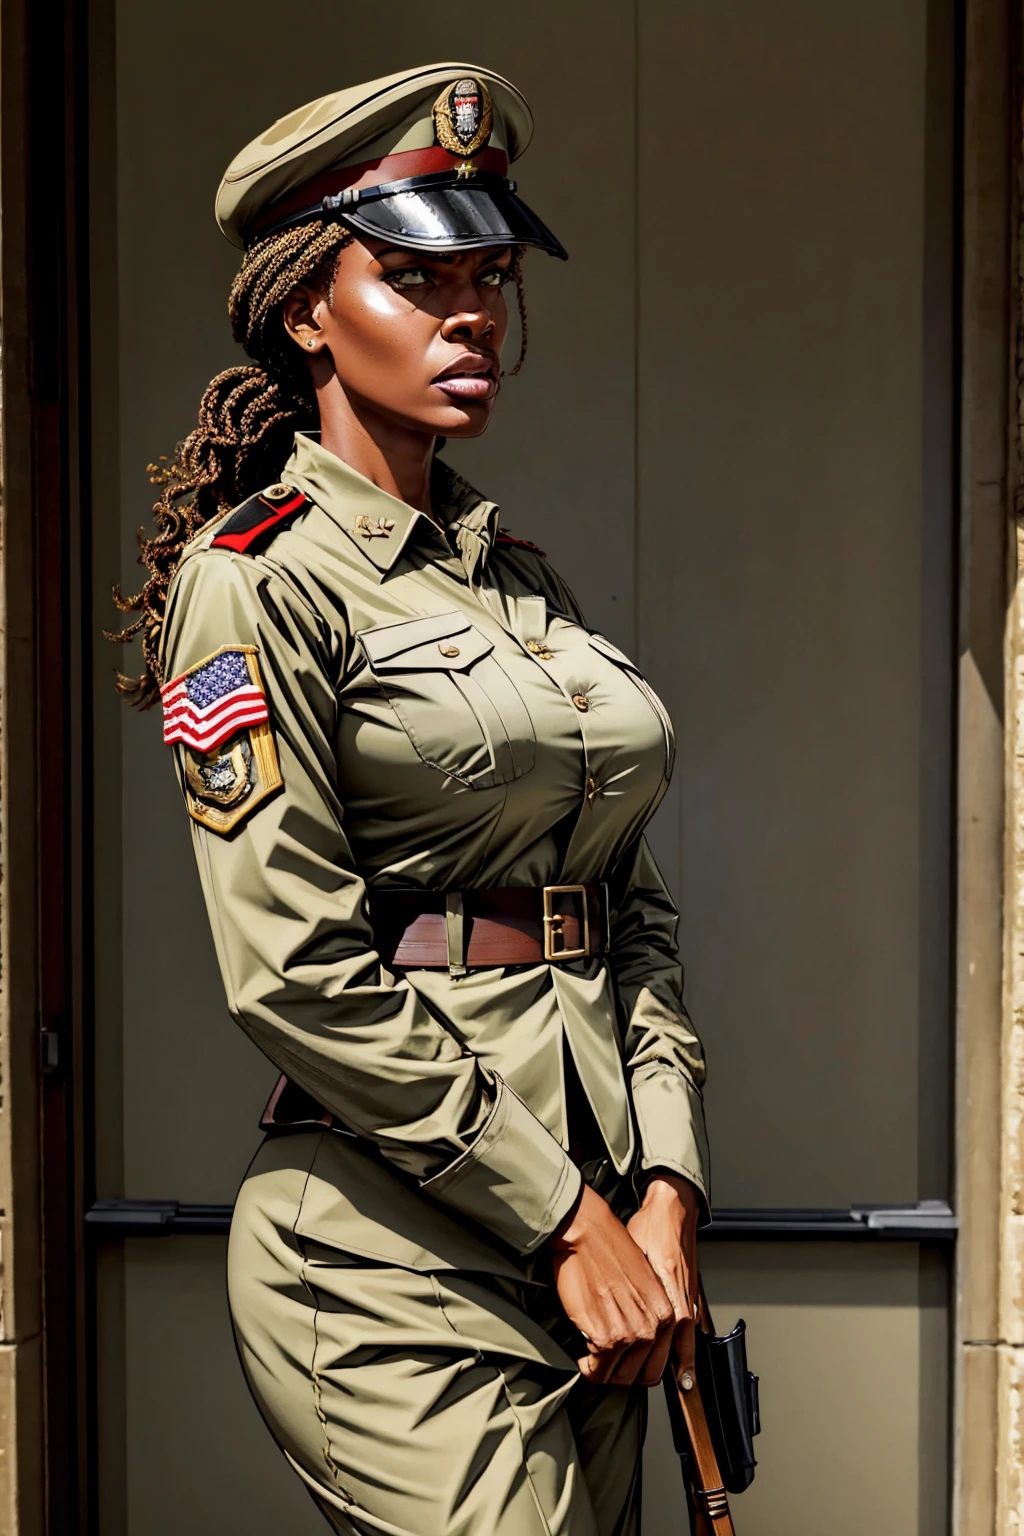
(454, 700)
(605, 648)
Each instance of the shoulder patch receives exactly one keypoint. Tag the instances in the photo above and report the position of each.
(251, 526)
(507, 541)
(216, 713)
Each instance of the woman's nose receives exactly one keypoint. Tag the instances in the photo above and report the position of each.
(467, 325)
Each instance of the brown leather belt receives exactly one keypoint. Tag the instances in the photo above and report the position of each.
(514, 925)
(291, 1108)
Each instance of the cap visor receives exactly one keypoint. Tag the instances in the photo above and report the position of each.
(453, 219)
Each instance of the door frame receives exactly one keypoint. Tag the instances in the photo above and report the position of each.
(45, 1294)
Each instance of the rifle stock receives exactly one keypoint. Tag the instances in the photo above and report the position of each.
(705, 1491)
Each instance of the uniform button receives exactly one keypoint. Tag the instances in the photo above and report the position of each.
(581, 701)
(591, 789)
(539, 650)
(448, 650)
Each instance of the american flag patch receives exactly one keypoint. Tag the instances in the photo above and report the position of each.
(214, 700)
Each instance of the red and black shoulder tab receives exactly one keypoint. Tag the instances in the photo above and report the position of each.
(251, 526)
(507, 541)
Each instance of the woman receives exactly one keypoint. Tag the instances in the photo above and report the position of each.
(418, 786)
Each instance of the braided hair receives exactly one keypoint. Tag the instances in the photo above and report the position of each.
(248, 418)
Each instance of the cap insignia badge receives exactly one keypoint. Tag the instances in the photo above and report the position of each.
(463, 117)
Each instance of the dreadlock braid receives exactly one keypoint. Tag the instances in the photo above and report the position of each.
(517, 278)
(247, 420)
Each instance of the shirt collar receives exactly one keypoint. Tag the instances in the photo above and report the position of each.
(471, 519)
(381, 526)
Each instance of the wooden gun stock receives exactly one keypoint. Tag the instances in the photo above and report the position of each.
(705, 1491)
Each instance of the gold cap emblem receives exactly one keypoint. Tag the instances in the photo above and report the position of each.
(463, 117)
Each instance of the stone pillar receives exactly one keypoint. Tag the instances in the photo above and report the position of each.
(1006, 1346)
(989, 1342)
(1009, 1348)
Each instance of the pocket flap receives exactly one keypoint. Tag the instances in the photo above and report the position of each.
(613, 653)
(445, 641)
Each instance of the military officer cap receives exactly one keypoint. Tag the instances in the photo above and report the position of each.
(419, 159)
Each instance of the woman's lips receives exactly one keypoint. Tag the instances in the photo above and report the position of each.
(469, 376)
(468, 386)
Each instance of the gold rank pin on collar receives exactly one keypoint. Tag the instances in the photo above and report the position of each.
(381, 529)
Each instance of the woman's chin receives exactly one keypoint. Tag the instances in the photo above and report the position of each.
(467, 419)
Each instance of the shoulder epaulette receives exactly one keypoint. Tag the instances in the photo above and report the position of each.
(507, 541)
(251, 526)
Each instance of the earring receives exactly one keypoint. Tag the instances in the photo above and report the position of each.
(309, 343)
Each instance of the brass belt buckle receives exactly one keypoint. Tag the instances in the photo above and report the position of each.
(554, 922)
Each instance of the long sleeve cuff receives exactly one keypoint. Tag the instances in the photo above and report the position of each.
(515, 1180)
(670, 1119)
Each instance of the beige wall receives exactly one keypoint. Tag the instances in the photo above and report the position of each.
(733, 437)
(786, 324)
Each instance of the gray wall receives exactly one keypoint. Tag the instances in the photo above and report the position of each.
(733, 436)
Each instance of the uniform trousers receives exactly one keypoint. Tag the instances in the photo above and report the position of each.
(426, 1402)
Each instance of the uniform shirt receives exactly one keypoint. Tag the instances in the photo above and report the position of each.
(443, 719)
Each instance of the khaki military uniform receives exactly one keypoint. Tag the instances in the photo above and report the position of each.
(439, 717)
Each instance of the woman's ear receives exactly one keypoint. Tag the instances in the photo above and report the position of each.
(298, 311)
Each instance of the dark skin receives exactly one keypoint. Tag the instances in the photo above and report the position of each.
(406, 350)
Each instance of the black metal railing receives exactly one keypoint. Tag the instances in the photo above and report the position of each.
(929, 1221)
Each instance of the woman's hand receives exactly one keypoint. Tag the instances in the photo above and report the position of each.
(665, 1229)
(612, 1295)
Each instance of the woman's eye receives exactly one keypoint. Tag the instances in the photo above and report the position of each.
(409, 277)
(497, 277)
